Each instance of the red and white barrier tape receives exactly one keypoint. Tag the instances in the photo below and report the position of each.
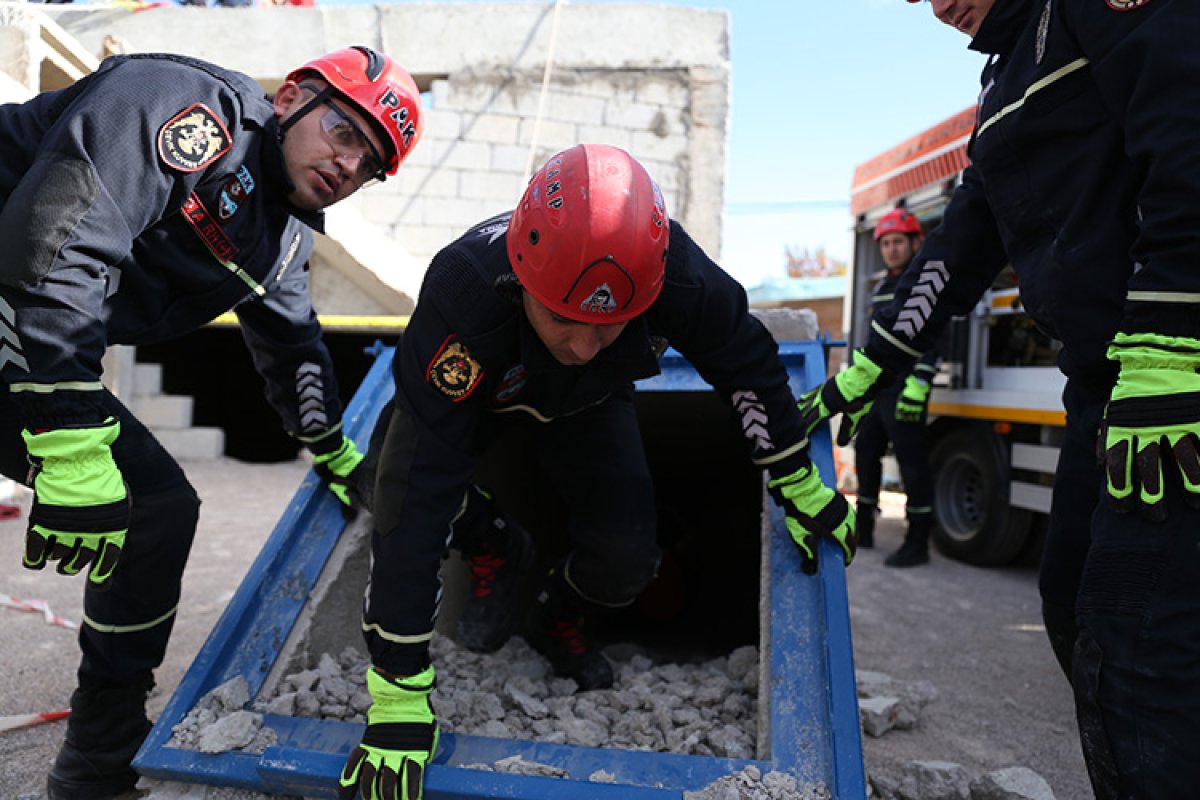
(38, 606)
(18, 721)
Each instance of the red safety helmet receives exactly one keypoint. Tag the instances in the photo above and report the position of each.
(379, 88)
(898, 220)
(589, 237)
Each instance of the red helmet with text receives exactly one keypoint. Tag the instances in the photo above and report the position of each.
(898, 220)
(380, 88)
(589, 237)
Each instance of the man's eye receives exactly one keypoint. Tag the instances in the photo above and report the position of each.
(343, 132)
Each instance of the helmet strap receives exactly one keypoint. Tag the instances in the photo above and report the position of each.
(317, 100)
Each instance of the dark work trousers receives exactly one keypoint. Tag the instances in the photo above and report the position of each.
(598, 465)
(594, 459)
(1078, 486)
(911, 443)
(1136, 669)
(125, 628)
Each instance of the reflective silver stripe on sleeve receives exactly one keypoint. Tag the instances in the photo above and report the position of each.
(47, 388)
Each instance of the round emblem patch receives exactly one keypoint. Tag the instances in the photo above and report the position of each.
(193, 139)
(1126, 5)
(453, 372)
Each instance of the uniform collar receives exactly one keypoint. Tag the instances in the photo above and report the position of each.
(1002, 26)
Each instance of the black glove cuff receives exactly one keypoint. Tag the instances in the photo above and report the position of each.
(1144, 412)
(402, 736)
(88, 519)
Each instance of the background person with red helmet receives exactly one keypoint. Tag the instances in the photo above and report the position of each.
(544, 318)
(1084, 177)
(898, 414)
(135, 206)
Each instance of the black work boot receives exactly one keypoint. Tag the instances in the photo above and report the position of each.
(555, 628)
(864, 525)
(498, 558)
(106, 727)
(915, 550)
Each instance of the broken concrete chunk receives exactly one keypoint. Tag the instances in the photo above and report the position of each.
(934, 780)
(878, 714)
(1011, 783)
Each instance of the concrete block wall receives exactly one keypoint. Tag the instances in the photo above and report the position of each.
(478, 148)
(652, 79)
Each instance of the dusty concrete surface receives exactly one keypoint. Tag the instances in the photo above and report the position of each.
(974, 634)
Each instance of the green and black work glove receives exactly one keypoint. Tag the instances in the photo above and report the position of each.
(814, 511)
(1155, 403)
(913, 399)
(341, 469)
(80, 511)
(849, 393)
(400, 740)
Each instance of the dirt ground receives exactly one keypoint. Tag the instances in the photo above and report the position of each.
(975, 634)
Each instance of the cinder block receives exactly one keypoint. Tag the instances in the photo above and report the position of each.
(147, 379)
(193, 444)
(163, 410)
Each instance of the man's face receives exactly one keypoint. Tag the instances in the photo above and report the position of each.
(571, 343)
(329, 152)
(897, 250)
(963, 15)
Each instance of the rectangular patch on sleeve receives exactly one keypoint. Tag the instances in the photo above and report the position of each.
(193, 139)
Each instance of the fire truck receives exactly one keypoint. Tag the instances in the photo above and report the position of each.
(995, 416)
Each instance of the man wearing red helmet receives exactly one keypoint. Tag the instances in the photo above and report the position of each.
(898, 414)
(1084, 176)
(545, 317)
(135, 206)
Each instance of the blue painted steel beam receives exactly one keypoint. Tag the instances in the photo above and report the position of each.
(813, 712)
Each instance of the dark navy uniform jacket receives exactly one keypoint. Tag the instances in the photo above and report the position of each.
(1085, 175)
(136, 205)
(470, 359)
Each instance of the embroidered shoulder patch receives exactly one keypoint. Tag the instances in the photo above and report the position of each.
(452, 371)
(1126, 5)
(193, 139)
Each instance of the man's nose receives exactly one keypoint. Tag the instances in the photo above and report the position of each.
(585, 343)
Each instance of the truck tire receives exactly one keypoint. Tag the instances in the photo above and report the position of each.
(976, 524)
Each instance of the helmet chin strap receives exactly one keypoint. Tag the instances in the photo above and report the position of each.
(318, 98)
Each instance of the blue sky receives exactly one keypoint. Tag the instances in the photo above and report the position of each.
(818, 87)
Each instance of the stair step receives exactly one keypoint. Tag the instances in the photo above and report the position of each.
(193, 444)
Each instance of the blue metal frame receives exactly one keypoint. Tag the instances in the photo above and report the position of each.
(813, 716)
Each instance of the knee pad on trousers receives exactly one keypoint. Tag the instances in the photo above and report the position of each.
(616, 577)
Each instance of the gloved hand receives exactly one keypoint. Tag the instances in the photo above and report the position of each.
(1156, 398)
(400, 740)
(910, 405)
(80, 511)
(850, 393)
(340, 469)
(814, 510)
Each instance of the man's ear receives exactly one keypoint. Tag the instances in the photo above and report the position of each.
(287, 99)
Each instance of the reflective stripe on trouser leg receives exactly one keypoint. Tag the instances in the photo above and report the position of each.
(125, 629)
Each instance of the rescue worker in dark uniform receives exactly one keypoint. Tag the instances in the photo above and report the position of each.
(898, 415)
(135, 206)
(544, 318)
(1085, 176)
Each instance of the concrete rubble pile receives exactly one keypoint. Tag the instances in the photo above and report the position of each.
(706, 708)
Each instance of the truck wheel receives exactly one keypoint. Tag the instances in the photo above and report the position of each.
(970, 482)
